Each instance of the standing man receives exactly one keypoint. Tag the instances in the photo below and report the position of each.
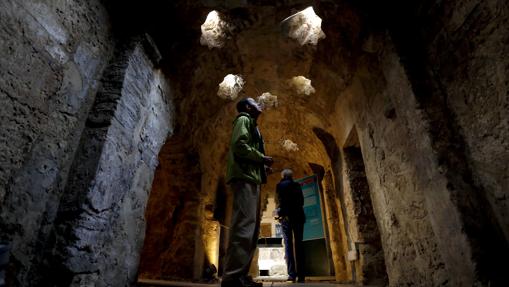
(245, 174)
(291, 214)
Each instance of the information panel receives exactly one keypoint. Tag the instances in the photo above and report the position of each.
(313, 228)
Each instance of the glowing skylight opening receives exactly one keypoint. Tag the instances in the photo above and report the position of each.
(305, 27)
(230, 87)
(289, 145)
(267, 100)
(213, 31)
(302, 85)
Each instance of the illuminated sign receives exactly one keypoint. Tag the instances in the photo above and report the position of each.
(313, 228)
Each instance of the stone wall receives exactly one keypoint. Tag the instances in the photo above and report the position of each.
(392, 148)
(173, 215)
(430, 116)
(100, 223)
(370, 266)
(334, 204)
(53, 55)
(422, 83)
(473, 71)
(465, 57)
(395, 150)
(458, 71)
(420, 186)
(337, 233)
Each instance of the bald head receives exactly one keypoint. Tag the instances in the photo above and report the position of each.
(287, 173)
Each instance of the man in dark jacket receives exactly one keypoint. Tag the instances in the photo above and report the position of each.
(245, 174)
(291, 214)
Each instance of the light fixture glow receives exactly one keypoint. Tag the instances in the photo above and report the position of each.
(211, 242)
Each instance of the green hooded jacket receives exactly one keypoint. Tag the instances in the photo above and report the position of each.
(245, 157)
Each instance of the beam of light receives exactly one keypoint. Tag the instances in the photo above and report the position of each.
(305, 27)
(230, 87)
(302, 85)
(213, 31)
(267, 100)
(289, 145)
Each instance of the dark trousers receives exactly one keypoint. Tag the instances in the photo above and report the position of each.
(244, 229)
(292, 234)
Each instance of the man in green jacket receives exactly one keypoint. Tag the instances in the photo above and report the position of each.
(245, 174)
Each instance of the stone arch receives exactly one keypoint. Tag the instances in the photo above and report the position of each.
(339, 236)
(173, 214)
(428, 103)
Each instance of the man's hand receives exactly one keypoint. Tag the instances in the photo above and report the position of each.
(268, 170)
(267, 160)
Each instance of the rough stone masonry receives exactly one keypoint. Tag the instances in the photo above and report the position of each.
(113, 140)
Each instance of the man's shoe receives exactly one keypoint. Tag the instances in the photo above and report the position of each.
(248, 282)
(291, 279)
(301, 280)
(231, 283)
